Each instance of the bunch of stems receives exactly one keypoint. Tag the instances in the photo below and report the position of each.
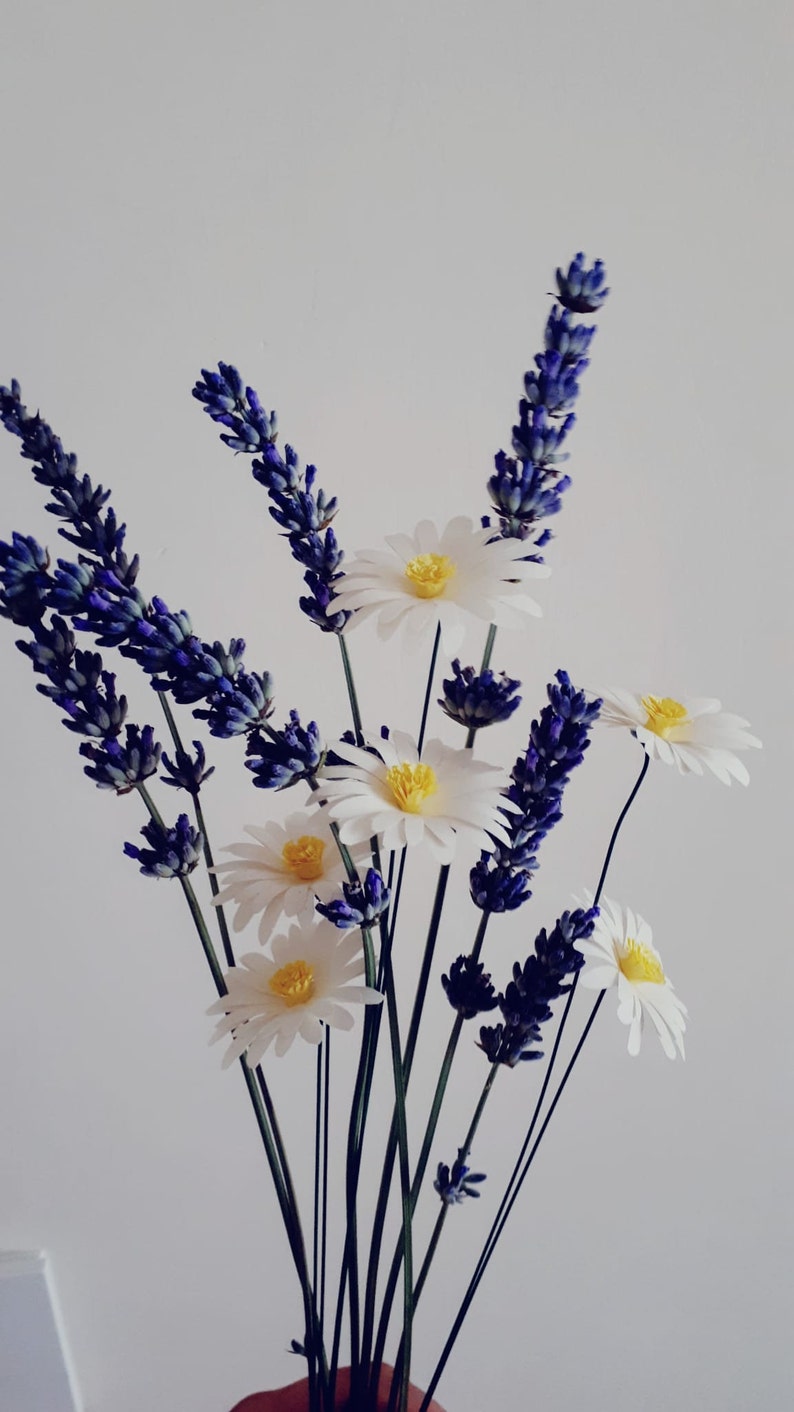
(369, 1326)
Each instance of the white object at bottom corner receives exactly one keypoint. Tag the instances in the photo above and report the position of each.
(35, 1371)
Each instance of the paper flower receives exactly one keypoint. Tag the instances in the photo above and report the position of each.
(620, 953)
(407, 801)
(429, 578)
(283, 871)
(690, 734)
(306, 985)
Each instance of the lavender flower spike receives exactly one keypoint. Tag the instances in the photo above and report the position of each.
(303, 513)
(499, 882)
(173, 852)
(527, 486)
(98, 594)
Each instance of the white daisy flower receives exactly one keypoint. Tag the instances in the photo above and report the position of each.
(621, 953)
(429, 578)
(305, 986)
(690, 734)
(410, 801)
(286, 867)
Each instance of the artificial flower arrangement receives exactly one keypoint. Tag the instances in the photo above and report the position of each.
(320, 892)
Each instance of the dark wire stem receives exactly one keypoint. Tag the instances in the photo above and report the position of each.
(520, 1171)
(268, 1128)
(428, 690)
(496, 1227)
(463, 1153)
(471, 1291)
(223, 928)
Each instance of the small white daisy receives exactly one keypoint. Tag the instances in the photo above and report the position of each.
(407, 801)
(690, 734)
(305, 986)
(621, 953)
(429, 578)
(286, 867)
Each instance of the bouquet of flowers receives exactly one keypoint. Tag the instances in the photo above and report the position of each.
(323, 887)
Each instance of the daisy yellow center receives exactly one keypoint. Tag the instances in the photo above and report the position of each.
(304, 856)
(638, 963)
(411, 785)
(428, 574)
(663, 714)
(293, 983)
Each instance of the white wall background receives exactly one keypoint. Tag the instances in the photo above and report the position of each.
(362, 205)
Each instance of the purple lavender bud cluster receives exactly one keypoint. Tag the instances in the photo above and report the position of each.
(86, 693)
(477, 700)
(499, 882)
(99, 595)
(185, 771)
(282, 759)
(527, 486)
(361, 903)
(303, 512)
(172, 852)
(468, 988)
(526, 1002)
(456, 1183)
(581, 289)
(24, 580)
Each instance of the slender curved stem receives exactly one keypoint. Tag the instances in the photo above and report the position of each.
(264, 1112)
(421, 1166)
(463, 1310)
(428, 690)
(391, 1146)
(520, 1171)
(463, 1152)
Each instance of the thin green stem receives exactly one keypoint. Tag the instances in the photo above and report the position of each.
(324, 1211)
(421, 1166)
(228, 950)
(318, 1129)
(463, 1152)
(406, 1241)
(351, 690)
(391, 1145)
(361, 1093)
(486, 662)
(264, 1112)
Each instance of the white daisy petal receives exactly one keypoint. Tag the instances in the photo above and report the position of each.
(693, 734)
(411, 802)
(621, 953)
(281, 871)
(306, 985)
(433, 578)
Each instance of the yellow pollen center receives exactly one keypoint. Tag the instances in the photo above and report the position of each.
(293, 983)
(663, 714)
(428, 574)
(638, 963)
(304, 857)
(411, 785)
